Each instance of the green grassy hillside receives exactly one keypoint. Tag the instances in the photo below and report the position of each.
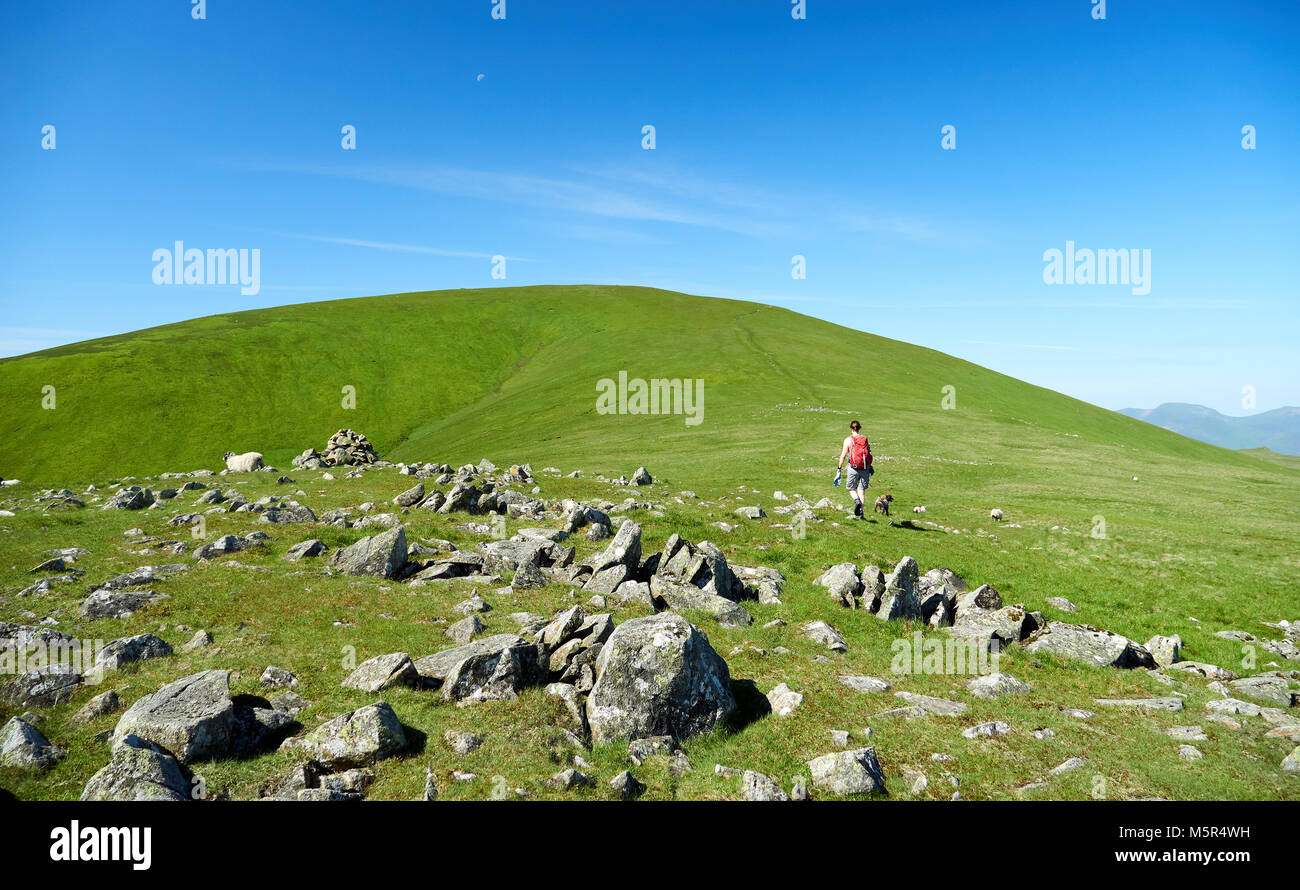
(456, 373)
(1202, 540)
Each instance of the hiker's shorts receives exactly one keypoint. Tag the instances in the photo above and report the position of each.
(858, 479)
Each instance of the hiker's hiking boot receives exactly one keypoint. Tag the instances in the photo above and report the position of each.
(857, 509)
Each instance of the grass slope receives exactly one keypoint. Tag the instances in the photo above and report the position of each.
(1204, 540)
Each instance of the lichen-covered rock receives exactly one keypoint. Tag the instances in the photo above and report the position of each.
(381, 556)
(624, 550)
(1272, 688)
(355, 739)
(22, 746)
(435, 668)
(756, 786)
(1092, 645)
(140, 771)
(843, 583)
(682, 597)
(50, 684)
(492, 676)
(821, 632)
(194, 718)
(383, 672)
(900, 600)
(118, 603)
(305, 550)
(411, 496)
(1165, 650)
(996, 685)
(784, 700)
(658, 675)
(131, 649)
(848, 772)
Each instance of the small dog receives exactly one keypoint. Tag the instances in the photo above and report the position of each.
(918, 509)
(882, 504)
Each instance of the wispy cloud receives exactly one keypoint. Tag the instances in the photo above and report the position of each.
(403, 248)
(668, 197)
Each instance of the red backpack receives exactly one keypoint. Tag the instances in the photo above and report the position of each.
(860, 453)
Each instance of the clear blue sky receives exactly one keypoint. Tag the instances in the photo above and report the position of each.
(775, 137)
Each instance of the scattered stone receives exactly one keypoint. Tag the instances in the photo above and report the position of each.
(784, 700)
(305, 550)
(130, 649)
(986, 730)
(99, 706)
(139, 770)
(1067, 766)
(1167, 703)
(381, 556)
(823, 633)
(118, 603)
(194, 718)
(626, 785)
(928, 704)
(995, 685)
(567, 780)
(355, 739)
(864, 684)
(23, 747)
(1165, 650)
(466, 629)
(200, 640)
(278, 678)
(462, 742)
(848, 772)
(758, 787)
(384, 672)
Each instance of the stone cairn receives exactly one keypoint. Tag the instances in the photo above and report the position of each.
(345, 448)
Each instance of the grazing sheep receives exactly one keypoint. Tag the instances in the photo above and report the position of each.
(918, 509)
(996, 514)
(243, 463)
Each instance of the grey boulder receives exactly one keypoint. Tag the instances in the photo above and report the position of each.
(657, 676)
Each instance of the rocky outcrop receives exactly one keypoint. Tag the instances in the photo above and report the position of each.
(355, 739)
(141, 771)
(658, 675)
(194, 718)
(23, 747)
(380, 556)
(1092, 646)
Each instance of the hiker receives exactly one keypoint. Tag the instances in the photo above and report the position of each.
(858, 451)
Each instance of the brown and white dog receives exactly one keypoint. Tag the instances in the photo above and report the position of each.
(882, 504)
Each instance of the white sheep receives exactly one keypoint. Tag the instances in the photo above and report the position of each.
(996, 514)
(243, 463)
(918, 509)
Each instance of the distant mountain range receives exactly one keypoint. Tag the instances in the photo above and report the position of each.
(1278, 430)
